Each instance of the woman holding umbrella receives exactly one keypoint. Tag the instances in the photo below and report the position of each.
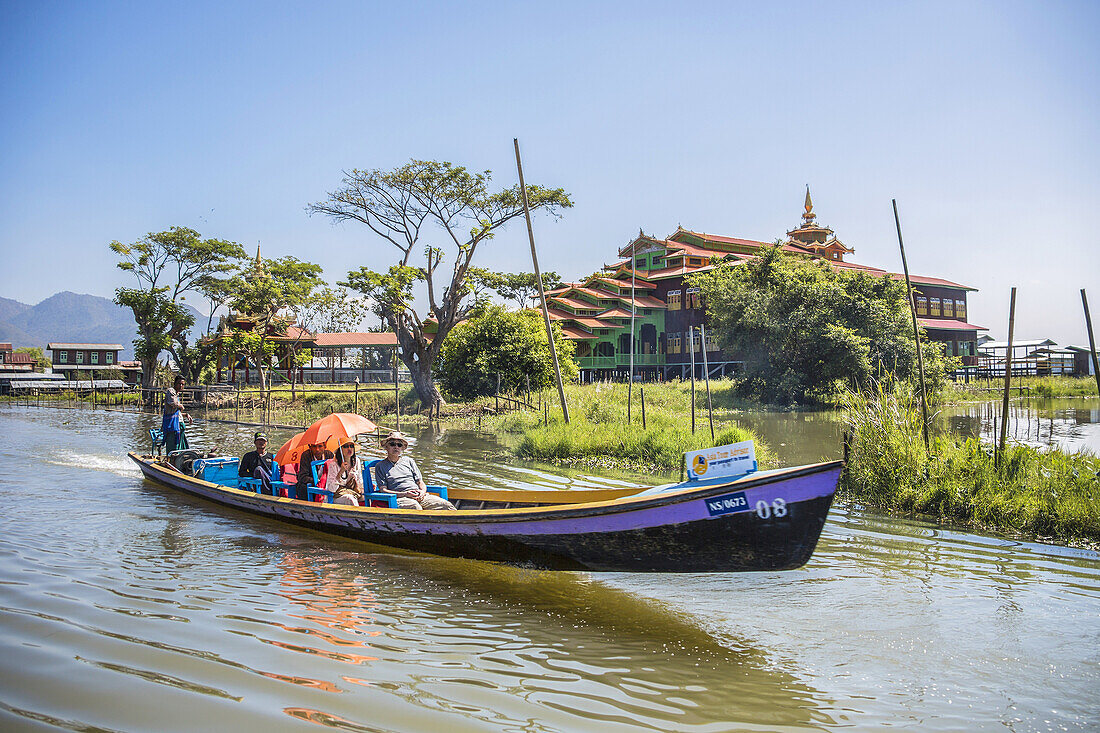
(345, 476)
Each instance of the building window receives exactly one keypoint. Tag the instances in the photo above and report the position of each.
(674, 343)
(639, 262)
(712, 343)
(922, 305)
(934, 310)
(109, 357)
(696, 343)
(95, 357)
(692, 298)
(80, 357)
(674, 300)
(960, 310)
(948, 308)
(694, 261)
(62, 357)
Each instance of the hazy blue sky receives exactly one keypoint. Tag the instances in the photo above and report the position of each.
(982, 119)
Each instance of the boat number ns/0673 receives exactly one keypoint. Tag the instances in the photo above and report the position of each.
(738, 503)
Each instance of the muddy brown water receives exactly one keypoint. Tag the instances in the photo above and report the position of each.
(127, 606)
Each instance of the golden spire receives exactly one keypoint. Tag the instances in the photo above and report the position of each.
(809, 216)
(258, 269)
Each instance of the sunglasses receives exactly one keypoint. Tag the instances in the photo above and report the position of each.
(394, 444)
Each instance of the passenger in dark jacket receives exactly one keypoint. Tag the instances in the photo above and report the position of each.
(258, 463)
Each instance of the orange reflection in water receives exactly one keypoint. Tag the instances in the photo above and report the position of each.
(337, 605)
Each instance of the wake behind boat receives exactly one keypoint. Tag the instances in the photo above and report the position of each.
(766, 520)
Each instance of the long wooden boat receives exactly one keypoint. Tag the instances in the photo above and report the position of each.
(768, 520)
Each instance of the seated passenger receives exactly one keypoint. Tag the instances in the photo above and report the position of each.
(398, 474)
(345, 476)
(258, 463)
(316, 452)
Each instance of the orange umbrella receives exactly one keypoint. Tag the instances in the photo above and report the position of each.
(339, 425)
(292, 450)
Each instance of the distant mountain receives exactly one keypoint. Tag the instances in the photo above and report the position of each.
(9, 309)
(72, 318)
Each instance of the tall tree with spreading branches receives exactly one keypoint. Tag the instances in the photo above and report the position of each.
(461, 213)
(168, 265)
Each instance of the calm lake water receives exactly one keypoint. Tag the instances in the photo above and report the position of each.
(126, 606)
(1070, 424)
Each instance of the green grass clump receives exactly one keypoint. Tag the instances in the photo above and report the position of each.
(1047, 494)
(600, 432)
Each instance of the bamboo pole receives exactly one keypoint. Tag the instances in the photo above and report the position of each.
(998, 457)
(706, 375)
(1092, 342)
(691, 350)
(542, 290)
(916, 331)
(641, 393)
(633, 310)
(357, 398)
(396, 392)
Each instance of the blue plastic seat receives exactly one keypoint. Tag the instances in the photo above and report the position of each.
(370, 494)
(313, 491)
(157, 437)
(375, 495)
(255, 484)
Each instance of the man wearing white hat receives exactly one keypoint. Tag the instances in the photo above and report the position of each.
(399, 474)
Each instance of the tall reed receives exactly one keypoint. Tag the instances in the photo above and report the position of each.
(1040, 493)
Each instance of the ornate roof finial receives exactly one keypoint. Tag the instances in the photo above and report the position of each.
(258, 269)
(259, 262)
(809, 216)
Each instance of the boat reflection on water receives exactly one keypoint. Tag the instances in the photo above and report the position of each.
(421, 634)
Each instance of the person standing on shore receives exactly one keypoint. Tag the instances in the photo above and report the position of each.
(170, 424)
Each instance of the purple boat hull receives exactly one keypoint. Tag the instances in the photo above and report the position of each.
(766, 521)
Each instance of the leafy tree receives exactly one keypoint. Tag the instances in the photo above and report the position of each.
(198, 362)
(261, 294)
(396, 205)
(511, 343)
(803, 329)
(522, 287)
(41, 361)
(168, 265)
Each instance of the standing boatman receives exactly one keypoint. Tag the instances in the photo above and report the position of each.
(174, 438)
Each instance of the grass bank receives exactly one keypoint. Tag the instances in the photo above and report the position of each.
(1049, 495)
(1042, 387)
(599, 435)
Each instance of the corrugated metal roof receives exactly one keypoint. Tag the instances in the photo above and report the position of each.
(89, 347)
(949, 324)
(355, 339)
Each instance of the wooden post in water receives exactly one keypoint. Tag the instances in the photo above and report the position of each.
(706, 375)
(998, 457)
(396, 392)
(641, 392)
(691, 350)
(357, 398)
(916, 331)
(237, 404)
(1092, 341)
(538, 281)
(496, 395)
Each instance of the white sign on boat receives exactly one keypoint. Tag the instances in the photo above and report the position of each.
(721, 461)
